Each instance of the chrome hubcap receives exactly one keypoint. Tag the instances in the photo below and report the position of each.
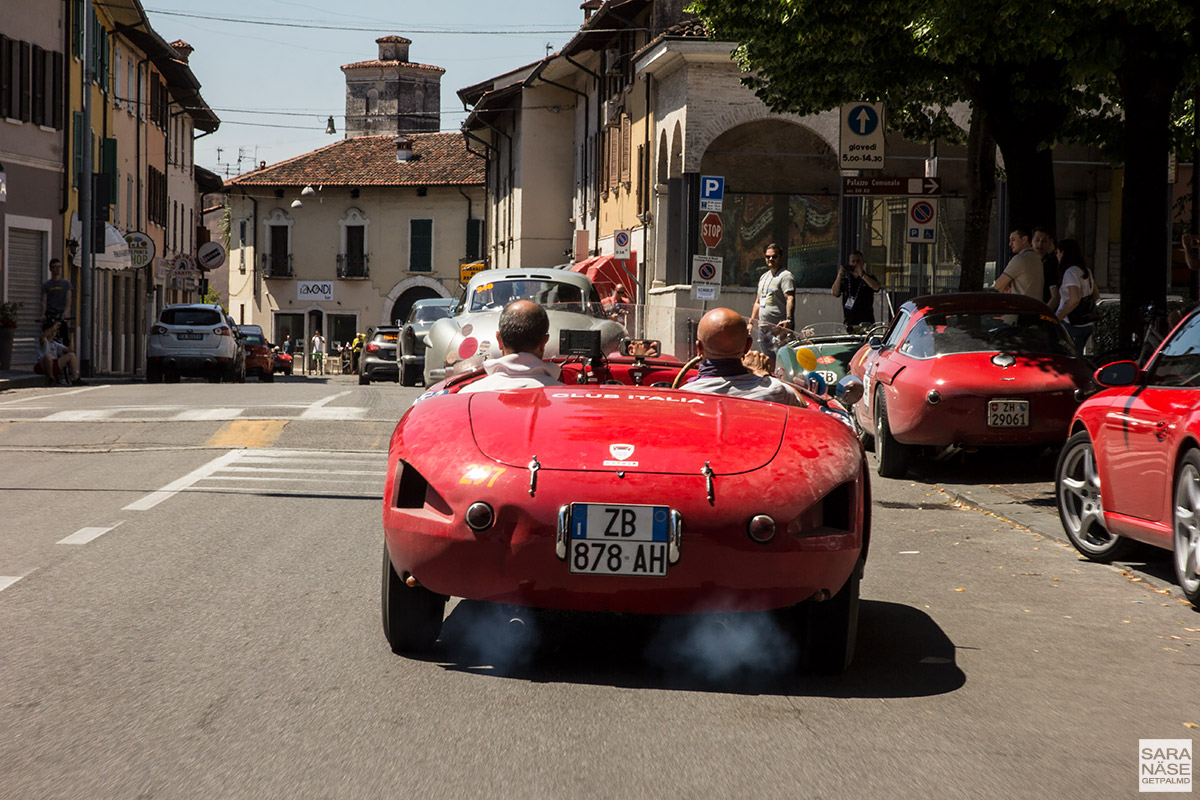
(1187, 528)
(1079, 491)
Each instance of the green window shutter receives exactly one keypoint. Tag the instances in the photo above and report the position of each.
(77, 27)
(108, 161)
(420, 245)
(474, 239)
(105, 60)
(77, 145)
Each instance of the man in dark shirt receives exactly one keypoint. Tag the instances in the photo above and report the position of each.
(1043, 245)
(56, 293)
(857, 289)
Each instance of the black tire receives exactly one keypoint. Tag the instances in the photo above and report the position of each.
(170, 377)
(267, 377)
(865, 436)
(1186, 520)
(154, 372)
(217, 378)
(412, 615)
(893, 456)
(364, 379)
(1080, 510)
(409, 374)
(826, 633)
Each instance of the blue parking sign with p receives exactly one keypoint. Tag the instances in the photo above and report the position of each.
(712, 192)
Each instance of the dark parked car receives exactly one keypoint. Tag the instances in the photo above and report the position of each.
(378, 360)
(412, 336)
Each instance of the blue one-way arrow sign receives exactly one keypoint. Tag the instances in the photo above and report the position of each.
(861, 139)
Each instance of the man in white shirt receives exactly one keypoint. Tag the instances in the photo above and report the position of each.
(54, 359)
(1023, 275)
(317, 358)
(523, 335)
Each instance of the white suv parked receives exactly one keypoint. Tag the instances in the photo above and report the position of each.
(194, 339)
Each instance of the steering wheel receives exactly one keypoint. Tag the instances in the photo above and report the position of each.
(683, 371)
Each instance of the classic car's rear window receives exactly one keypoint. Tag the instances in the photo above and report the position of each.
(430, 313)
(985, 332)
(191, 316)
(253, 338)
(498, 294)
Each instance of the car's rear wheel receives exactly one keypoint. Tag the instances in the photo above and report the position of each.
(893, 456)
(364, 379)
(826, 633)
(154, 372)
(409, 374)
(170, 377)
(266, 376)
(1077, 489)
(1187, 527)
(216, 378)
(412, 615)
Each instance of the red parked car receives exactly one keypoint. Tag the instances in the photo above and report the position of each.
(967, 370)
(260, 358)
(617, 493)
(1130, 471)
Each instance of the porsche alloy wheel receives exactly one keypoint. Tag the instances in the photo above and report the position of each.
(893, 456)
(412, 615)
(1077, 488)
(1187, 527)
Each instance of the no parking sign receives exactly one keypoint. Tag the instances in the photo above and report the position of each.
(706, 277)
(621, 244)
(921, 224)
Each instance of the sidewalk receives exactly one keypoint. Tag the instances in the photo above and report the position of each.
(19, 379)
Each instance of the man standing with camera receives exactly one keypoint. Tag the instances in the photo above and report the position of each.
(857, 289)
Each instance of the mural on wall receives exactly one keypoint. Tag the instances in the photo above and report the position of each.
(807, 224)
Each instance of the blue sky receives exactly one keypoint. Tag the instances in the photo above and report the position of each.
(248, 68)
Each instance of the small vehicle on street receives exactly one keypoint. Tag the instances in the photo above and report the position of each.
(194, 339)
(470, 334)
(832, 346)
(283, 361)
(421, 317)
(260, 357)
(1130, 471)
(378, 359)
(615, 492)
(956, 371)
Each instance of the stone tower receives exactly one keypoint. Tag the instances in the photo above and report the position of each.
(392, 95)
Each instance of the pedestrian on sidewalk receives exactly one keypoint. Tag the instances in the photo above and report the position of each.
(56, 360)
(1023, 275)
(317, 358)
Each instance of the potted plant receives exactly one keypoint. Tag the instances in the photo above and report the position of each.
(8, 327)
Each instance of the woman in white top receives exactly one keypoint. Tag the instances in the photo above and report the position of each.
(1076, 293)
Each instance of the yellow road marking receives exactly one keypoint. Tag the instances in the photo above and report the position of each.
(247, 433)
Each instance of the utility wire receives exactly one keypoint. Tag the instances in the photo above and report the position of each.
(372, 29)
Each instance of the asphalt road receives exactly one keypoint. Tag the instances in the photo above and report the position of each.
(190, 609)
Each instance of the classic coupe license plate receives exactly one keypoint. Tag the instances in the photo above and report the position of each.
(1008, 413)
(618, 540)
(185, 336)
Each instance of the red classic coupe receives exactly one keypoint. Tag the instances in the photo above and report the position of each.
(967, 370)
(1130, 471)
(615, 492)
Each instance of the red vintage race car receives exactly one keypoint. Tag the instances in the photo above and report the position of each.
(616, 492)
(1130, 470)
(967, 370)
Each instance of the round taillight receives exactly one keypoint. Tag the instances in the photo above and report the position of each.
(761, 528)
(158, 330)
(480, 516)
(934, 397)
(468, 347)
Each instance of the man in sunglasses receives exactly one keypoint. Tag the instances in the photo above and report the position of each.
(775, 302)
(857, 289)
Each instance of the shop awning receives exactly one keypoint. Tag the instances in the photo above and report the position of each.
(605, 272)
(116, 251)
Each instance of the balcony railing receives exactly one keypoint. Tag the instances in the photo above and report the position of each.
(353, 265)
(277, 265)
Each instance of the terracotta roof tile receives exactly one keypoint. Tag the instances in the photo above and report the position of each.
(378, 63)
(439, 159)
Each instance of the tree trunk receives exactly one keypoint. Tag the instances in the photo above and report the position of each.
(981, 190)
(1148, 82)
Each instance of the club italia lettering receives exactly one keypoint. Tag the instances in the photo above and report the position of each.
(607, 396)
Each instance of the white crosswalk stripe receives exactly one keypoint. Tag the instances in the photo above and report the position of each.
(176, 413)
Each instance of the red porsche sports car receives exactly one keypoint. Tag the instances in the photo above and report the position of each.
(967, 370)
(1131, 468)
(616, 492)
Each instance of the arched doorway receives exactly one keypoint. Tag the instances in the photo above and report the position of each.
(404, 302)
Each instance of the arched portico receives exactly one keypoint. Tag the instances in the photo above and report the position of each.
(410, 289)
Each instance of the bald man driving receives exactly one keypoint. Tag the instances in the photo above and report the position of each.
(722, 339)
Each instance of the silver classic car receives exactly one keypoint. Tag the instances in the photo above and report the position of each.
(467, 339)
(412, 336)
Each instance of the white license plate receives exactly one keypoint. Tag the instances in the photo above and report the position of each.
(618, 539)
(192, 336)
(1008, 414)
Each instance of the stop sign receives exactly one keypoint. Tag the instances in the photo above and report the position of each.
(711, 229)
